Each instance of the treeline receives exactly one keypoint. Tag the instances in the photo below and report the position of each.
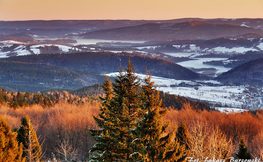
(24, 99)
(176, 102)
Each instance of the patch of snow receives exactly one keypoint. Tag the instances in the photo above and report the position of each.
(22, 52)
(176, 46)
(11, 42)
(260, 46)
(20, 47)
(148, 47)
(232, 50)
(245, 25)
(209, 81)
(35, 49)
(115, 51)
(64, 48)
(193, 47)
(4, 54)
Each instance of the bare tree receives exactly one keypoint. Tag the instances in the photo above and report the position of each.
(67, 151)
(208, 142)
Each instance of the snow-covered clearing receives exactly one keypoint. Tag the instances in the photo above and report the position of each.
(231, 50)
(260, 46)
(224, 95)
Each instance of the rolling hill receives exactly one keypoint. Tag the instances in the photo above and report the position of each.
(248, 73)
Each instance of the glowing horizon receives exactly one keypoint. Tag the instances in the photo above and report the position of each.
(11, 10)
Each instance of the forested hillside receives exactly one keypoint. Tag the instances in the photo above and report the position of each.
(106, 62)
(34, 77)
(248, 73)
(35, 73)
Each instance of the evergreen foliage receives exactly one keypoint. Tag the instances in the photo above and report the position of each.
(243, 151)
(131, 123)
(27, 135)
(104, 137)
(10, 150)
(119, 111)
(153, 144)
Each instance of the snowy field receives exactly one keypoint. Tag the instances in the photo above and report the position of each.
(224, 95)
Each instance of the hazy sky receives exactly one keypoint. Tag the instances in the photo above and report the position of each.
(128, 9)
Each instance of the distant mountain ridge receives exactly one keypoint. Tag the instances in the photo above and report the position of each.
(187, 28)
(161, 31)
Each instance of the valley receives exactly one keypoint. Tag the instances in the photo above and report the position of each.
(201, 59)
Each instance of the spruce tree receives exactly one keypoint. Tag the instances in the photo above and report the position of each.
(243, 152)
(104, 150)
(119, 113)
(153, 144)
(10, 150)
(27, 135)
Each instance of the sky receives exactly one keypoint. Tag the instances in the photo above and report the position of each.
(128, 9)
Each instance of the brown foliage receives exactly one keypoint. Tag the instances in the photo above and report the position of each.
(231, 126)
(70, 123)
(62, 122)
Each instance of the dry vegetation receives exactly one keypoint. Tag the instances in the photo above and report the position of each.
(64, 129)
(59, 124)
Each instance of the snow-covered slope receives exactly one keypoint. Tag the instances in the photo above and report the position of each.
(14, 48)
